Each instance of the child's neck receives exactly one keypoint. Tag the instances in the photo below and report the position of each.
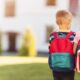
(64, 30)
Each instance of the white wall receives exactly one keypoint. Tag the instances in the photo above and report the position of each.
(34, 13)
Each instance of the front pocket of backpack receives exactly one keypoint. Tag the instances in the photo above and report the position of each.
(61, 60)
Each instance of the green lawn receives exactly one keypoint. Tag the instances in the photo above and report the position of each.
(27, 72)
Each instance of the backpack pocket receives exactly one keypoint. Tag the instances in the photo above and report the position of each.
(61, 61)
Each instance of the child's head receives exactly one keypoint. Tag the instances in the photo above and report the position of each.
(63, 19)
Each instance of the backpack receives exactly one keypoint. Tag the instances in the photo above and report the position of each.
(61, 53)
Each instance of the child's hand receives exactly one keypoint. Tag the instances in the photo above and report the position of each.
(79, 51)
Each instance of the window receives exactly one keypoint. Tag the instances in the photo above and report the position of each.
(51, 2)
(73, 6)
(10, 8)
(49, 30)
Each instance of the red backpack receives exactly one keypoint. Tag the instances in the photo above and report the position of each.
(61, 44)
(61, 52)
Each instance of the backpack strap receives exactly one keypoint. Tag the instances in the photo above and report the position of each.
(55, 34)
(69, 34)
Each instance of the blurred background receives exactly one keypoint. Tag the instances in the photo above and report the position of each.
(25, 26)
(18, 15)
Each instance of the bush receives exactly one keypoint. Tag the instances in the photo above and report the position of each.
(23, 51)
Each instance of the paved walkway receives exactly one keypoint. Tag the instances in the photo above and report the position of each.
(9, 60)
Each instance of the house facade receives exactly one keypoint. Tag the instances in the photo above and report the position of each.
(38, 14)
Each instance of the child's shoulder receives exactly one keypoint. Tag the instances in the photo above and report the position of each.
(72, 34)
(78, 33)
(77, 37)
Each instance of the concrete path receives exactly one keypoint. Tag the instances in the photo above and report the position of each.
(9, 60)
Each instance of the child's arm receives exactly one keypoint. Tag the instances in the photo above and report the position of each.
(51, 37)
(76, 41)
(75, 48)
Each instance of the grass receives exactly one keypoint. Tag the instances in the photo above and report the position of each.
(27, 72)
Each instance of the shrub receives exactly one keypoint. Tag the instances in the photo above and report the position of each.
(23, 51)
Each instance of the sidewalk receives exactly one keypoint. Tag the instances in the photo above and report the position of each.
(9, 60)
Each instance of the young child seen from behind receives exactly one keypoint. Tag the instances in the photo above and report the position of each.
(61, 56)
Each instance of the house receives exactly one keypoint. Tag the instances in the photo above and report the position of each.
(17, 15)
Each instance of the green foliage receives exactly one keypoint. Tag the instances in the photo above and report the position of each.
(23, 51)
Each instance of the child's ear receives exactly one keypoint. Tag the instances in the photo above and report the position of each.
(58, 22)
(68, 27)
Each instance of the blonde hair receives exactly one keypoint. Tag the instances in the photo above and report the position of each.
(61, 14)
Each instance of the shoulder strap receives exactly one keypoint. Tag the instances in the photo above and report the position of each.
(69, 34)
(55, 34)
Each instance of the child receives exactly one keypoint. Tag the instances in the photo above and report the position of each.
(77, 50)
(76, 41)
(63, 19)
